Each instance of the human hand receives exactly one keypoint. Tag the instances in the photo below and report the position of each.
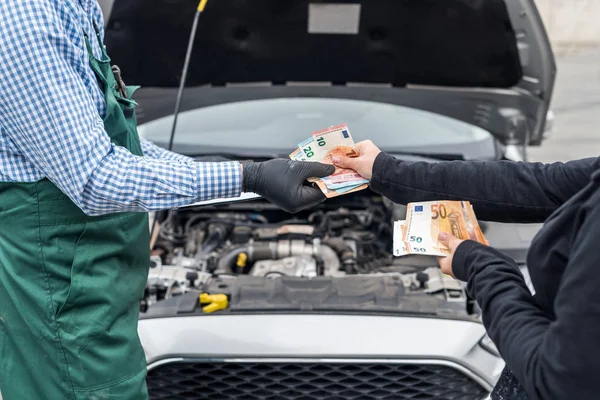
(363, 164)
(451, 242)
(282, 182)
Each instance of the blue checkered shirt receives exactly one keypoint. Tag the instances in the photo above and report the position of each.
(51, 110)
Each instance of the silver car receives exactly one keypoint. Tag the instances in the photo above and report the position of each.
(246, 301)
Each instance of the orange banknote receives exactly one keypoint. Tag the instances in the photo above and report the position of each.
(425, 220)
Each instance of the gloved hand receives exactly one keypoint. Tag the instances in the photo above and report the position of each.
(282, 182)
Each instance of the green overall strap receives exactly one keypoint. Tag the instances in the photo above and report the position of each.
(121, 116)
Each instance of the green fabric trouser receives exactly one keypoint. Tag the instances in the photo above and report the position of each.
(70, 284)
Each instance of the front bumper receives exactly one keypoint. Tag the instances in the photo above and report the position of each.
(325, 340)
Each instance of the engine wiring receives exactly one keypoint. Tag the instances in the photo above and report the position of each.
(360, 235)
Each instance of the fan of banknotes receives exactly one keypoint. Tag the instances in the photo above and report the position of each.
(418, 233)
(321, 147)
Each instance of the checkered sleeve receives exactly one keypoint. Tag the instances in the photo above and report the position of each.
(153, 151)
(51, 119)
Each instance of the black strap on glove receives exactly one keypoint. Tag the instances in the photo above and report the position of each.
(282, 182)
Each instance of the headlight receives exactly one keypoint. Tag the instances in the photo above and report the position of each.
(487, 343)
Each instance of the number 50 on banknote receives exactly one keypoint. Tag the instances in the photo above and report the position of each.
(418, 234)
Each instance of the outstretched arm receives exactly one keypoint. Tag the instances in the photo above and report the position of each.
(502, 191)
(50, 118)
(158, 153)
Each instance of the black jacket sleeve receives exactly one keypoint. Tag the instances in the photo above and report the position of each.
(502, 191)
(553, 359)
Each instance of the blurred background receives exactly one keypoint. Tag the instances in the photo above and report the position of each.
(575, 35)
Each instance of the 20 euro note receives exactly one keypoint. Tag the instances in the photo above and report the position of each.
(323, 146)
(424, 221)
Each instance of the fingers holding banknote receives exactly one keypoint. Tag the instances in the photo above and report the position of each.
(363, 164)
(452, 243)
(283, 182)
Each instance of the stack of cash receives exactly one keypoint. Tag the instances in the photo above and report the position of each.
(418, 233)
(321, 147)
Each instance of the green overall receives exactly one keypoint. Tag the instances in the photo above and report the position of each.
(70, 284)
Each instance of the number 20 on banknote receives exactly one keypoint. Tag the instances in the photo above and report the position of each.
(308, 151)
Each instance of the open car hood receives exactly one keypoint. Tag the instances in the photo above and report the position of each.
(485, 62)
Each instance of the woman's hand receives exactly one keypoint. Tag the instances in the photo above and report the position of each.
(363, 164)
(451, 242)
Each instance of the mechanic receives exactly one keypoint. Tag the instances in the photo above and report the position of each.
(76, 186)
(549, 341)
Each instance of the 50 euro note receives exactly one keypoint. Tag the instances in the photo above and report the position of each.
(418, 234)
(399, 245)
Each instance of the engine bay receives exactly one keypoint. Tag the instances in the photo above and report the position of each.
(342, 247)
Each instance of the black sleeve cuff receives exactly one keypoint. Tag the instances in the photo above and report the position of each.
(383, 163)
(460, 267)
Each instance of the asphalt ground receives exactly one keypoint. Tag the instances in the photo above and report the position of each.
(576, 104)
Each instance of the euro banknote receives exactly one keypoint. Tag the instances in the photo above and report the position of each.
(322, 146)
(418, 233)
(329, 193)
(399, 245)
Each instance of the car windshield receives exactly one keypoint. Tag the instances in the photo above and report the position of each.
(276, 126)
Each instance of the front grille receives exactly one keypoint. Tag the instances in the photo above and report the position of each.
(309, 381)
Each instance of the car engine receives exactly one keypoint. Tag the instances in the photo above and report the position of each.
(249, 240)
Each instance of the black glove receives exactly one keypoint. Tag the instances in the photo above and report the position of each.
(282, 181)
